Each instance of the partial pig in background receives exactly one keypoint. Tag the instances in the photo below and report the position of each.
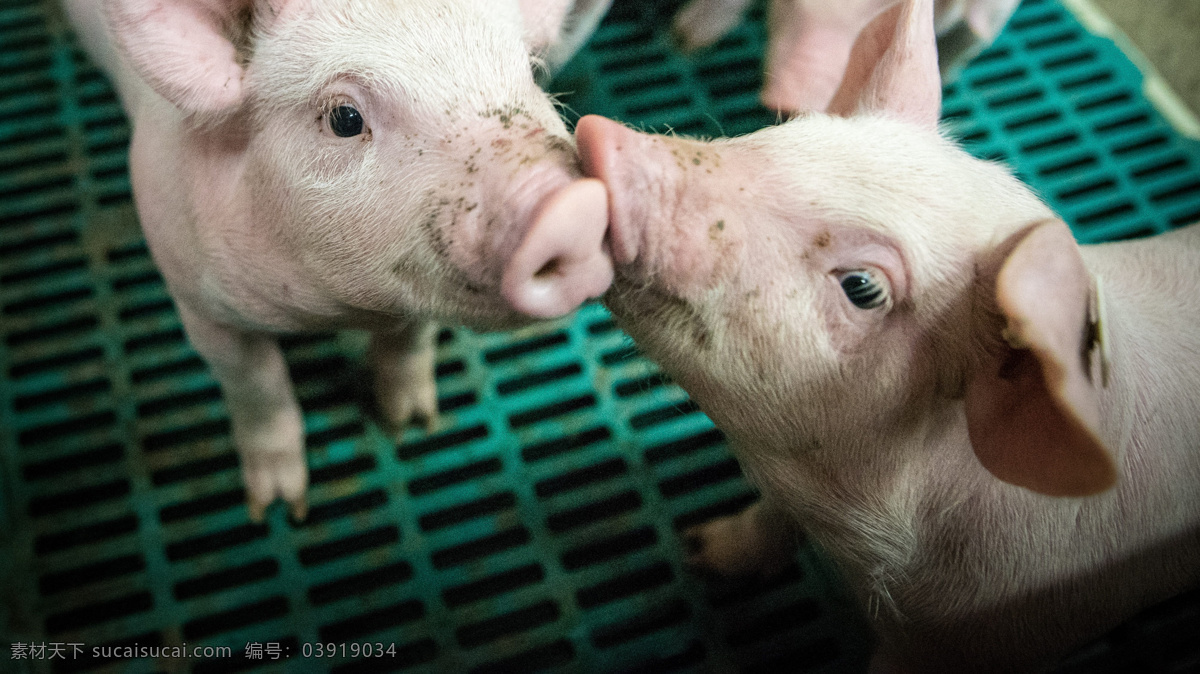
(809, 42)
(994, 431)
(320, 164)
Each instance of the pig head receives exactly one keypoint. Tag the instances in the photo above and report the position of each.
(810, 43)
(993, 430)
(302, 164)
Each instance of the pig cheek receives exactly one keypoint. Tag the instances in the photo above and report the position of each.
(706, 252)
(464, 234)
(356, 225)
(766, 357)
(459, 245)
(309, 173)
(665, 326)
(334, 171)
(363, 252)
(884, 371)
(460, 283)
(785, 336)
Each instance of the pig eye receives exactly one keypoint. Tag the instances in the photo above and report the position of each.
(345, 121)
(863, 289)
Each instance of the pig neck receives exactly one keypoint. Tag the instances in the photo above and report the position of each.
(1150, 410)
(1056, 571)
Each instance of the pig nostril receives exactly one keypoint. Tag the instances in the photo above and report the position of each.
(562, 260)
(549, 269)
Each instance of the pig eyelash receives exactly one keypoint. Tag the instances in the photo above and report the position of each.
(345, 121)
(343, 117)
(863, 288)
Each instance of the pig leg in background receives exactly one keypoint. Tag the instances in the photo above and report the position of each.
(403, 361)
(577, 28)
(810, 49)
(759, 540)
(967, 27)
(268, 426)
(700, 23)
(809, 41)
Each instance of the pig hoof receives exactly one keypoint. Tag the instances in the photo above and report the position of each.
(721, 548)
(298, 508)
(276, 476)
(700, 24)
(686, 38)
(681, 41)
(712, 549)
(697, 563)
(416, 405)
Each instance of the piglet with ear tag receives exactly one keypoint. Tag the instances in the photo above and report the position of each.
(994, 431)
(374, 164)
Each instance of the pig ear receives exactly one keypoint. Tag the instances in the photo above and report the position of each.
(543, 21)
(1032, 410)
(182, 48)
(893, 67)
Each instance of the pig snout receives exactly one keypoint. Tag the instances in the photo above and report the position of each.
(599, 141)
(658, 179)
(563, 259)
(624, 159)
(519, 226)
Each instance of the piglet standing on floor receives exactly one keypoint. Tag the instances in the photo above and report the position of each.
(994, 431)
(809, 41)
(319, 164)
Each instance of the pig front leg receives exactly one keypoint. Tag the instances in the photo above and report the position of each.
(760, 540)
(403, 363)
(268, 426)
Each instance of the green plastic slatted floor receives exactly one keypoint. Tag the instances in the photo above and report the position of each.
(539, 529)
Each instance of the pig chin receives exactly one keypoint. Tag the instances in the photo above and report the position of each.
(671, 329)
